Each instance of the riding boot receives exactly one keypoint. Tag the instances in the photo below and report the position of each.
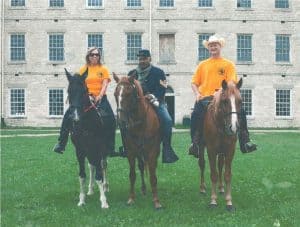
(168, 154)
(246, 145)
(63, 135)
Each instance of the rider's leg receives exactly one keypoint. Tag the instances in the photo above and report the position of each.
(246, 145)
(109, 125)
(64, 134)
(197, 122)
(168, 154)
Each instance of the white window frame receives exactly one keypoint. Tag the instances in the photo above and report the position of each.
(291, 103)
(94, 7)
(64, 46)
(63, 103)
(10, 104)
(9, 48)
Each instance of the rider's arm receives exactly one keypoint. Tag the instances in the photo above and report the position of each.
(196, 91)
(103, 90)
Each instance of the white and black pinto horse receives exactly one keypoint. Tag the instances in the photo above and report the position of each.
(87, 137)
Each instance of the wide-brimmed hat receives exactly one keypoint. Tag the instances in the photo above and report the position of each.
(213, 39)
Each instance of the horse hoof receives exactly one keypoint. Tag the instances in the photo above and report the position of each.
(90, 193)
(130, 202)
(80, 204)
(158, 207)
(105, 206)
(230, 208)
(202, 192)
(221, 192)
(212, 206)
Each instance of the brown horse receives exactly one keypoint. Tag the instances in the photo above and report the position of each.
(220, 135)
(140, 131)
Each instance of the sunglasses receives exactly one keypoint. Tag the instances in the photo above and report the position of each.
(93, 55)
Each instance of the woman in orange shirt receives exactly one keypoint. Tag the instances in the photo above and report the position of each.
(96, 82)
(205, 82)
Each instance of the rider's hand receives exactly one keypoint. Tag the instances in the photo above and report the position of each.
(198, 97)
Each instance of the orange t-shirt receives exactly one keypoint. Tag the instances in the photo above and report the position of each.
(96, 75)
(211, 72)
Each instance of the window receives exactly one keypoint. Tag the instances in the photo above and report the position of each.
(56, 3)
(167, 48)
(56, 47)
(282, 48)
(244, 3)
(283, 102)
(56, 102)
(244, 47)
(247, 101)
(134, 3)
(282, 4)
(205, 3)
(202, 51)
(166, 3)
(17, 47)
(94, 3)
(17, 102)
(134, 44)
(17, 2)
(96, 40)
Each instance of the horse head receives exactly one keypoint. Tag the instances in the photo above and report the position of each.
(127, 94)
(230, 105)
(77, 94)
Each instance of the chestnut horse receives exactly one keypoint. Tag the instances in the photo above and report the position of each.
(140, 131)
(221, 124)
(86, 134)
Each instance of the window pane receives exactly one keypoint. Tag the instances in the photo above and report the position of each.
(166, 3)
(17, 102)
(17, 2)
(281, 3)
(282, 48)
(283, 103)
(202, 51)
(134, 44)
(94, 3)
(134, 3)
(56, 3)
(56, 102)
(17, 47)
(244, 48)
(247, 101)
(205, 3)
(244, 3)
(96, 40)
(56, 47)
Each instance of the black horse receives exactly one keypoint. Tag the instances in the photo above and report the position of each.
(87, 136)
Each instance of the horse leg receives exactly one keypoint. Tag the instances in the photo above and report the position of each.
(92, 180)
(141, 168)
(213, 177)
(201, 163)
(132, 177)
(82, 177)
(100, 182)
(227, 179)
(153, 180)
(104, 174)
(220, 168)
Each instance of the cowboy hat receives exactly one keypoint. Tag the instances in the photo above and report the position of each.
(213, 39)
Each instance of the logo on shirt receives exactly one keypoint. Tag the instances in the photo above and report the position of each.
(99, 74)
(221, 71)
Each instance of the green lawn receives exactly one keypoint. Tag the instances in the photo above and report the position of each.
(40, 187)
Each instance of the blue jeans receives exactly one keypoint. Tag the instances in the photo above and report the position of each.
(165, 122)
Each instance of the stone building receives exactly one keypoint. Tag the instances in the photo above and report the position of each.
(41, 38)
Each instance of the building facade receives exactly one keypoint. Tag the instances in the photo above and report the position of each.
(41, 38)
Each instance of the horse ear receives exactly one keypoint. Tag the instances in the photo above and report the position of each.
(69, 76)
(240, 83)
(116, 78)
(224, 84)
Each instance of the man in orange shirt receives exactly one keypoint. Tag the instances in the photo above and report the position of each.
(205, 82)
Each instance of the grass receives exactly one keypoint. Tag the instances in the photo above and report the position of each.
(40, 187)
